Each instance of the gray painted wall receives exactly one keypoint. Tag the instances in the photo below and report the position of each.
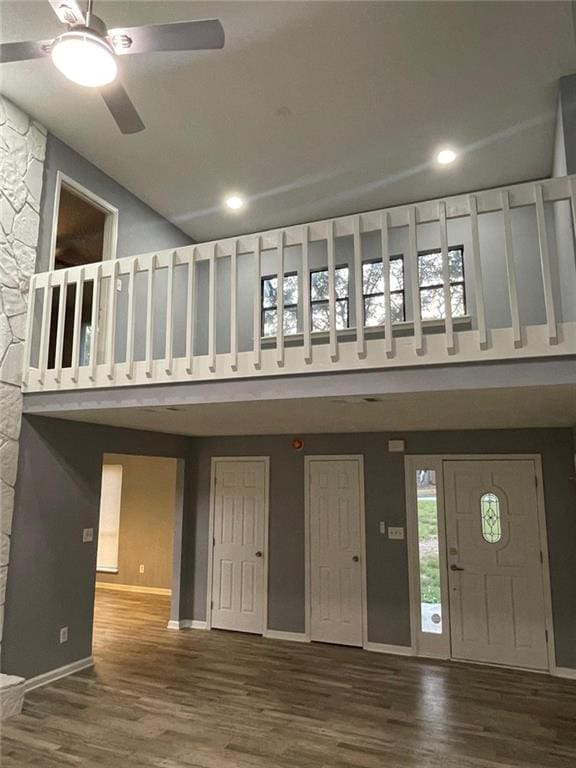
(51, 579)
(140, 228)
(52, 573)
(387, 564)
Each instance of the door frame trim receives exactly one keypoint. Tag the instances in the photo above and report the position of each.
(308, 460)
(409, 462)
(110, 242)
(213, 461)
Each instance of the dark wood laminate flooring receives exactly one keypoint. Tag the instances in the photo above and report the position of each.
(193, 699)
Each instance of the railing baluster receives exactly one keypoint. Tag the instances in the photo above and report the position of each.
(385, 243)
(212, 311)
(169, 336)
(478, 279)
(130, 320)
(306, 319)
(190, 311)
(77, 334)
(280, 301)
(358, 290)
(150, 317)
(573, 205)
(45, 329)
(511, 270)
(257, 314)
(111, 345)
(448, 324)
(545, 265)
(415, 280)
(95, 322)
(60, 327)
(233, 307)
(27, 351)
(332, 293)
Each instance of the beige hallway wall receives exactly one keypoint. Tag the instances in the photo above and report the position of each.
(146, 521)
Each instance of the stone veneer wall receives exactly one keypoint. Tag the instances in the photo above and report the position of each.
(22, 150)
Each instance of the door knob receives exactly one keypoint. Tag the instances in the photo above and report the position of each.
(355, 558)
(456, 568)
(258, 554)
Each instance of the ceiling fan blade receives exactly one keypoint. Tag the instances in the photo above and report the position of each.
(30, 49)
(121, 108)
(180, 36)
(68, 11)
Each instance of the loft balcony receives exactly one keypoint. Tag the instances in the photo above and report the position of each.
(486, 276)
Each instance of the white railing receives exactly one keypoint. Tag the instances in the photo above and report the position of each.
(196, 313)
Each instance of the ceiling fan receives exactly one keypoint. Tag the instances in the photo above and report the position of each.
(87, 52)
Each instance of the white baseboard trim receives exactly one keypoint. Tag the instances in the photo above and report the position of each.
(294, 637)
(56, 674)
(132, 588)
(397, 650)
(566, 672)
(187, 624)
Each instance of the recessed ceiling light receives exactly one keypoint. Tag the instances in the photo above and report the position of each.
(446, 156)
(234, 202)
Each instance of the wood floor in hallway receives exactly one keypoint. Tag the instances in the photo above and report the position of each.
(221, 700)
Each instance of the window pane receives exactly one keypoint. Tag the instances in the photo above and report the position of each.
(372, 278)
(269, 292)
(429, 553)
(290, 321)
(432, 302)
(341, 282)
(397, 275)
(455, 266)
(430, 269)
(342, 314)
(457, 300)
(320, 317)
(373, 311)
(291, 289)
(270, 322)
(319, 285)
(397, 307)
(490, 515)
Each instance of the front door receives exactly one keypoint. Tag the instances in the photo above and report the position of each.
(239, 546)
(495, 563)
(335, 551)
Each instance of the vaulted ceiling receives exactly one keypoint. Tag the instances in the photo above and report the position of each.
(313, 109)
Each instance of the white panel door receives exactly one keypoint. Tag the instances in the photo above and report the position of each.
(238, 574)
(335, 551)
(495, 571)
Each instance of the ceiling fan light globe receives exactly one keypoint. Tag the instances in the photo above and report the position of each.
(85, 58)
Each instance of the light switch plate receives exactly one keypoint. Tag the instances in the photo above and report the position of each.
(396, 446)
(396, 533)
(87, 535)
(63, 634)
(382, 526)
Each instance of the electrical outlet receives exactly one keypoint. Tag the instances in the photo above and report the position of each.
(395, 533)
(63, 634)
(382, 526)
(87, 535)
(141, 569)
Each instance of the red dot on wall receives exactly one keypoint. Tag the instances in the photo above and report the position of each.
(297, 444)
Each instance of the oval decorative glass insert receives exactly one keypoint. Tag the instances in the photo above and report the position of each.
(490, 516)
